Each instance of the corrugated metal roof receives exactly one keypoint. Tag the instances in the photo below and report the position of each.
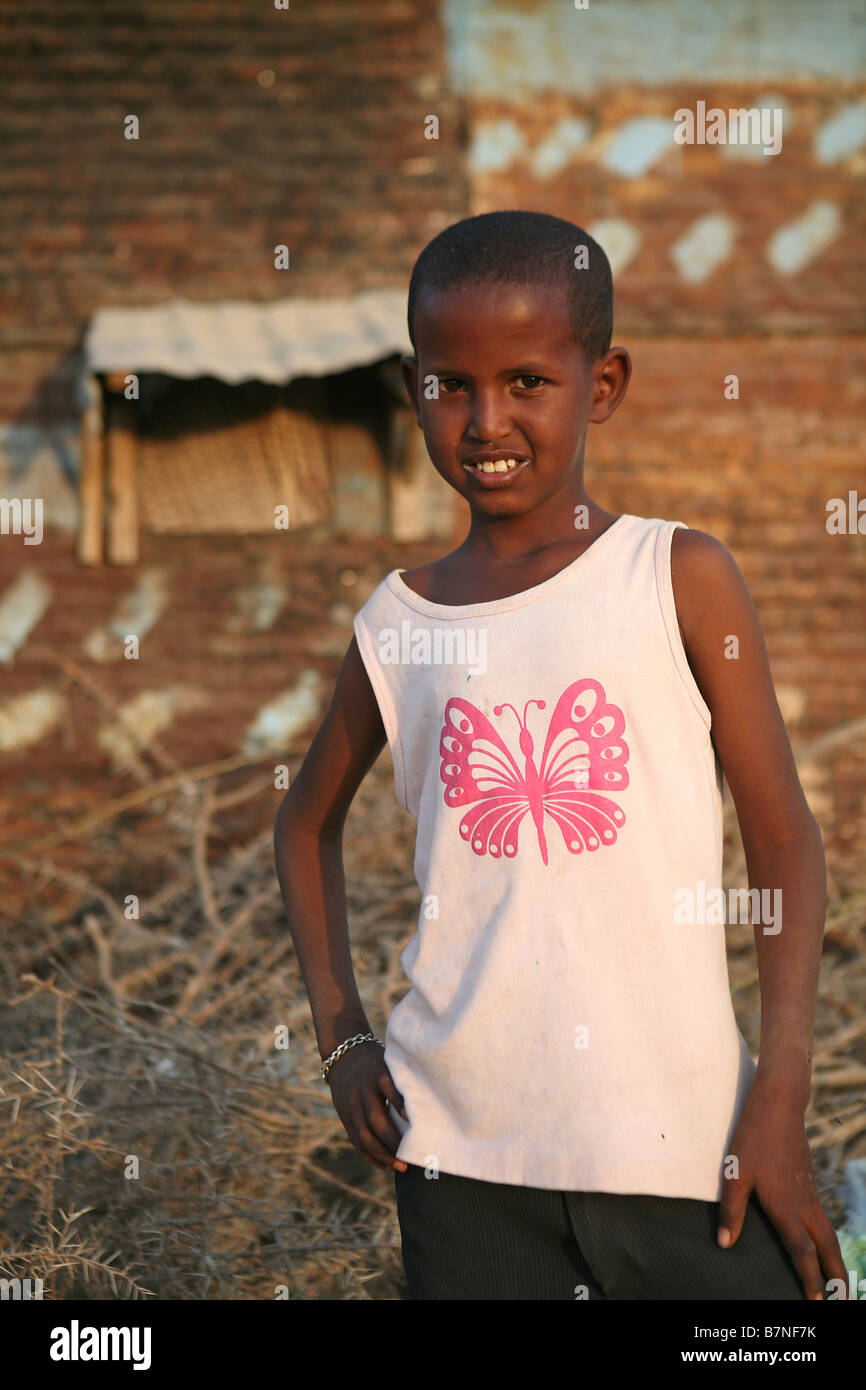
(237, 341)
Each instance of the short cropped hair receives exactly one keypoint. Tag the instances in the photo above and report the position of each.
(522, 248)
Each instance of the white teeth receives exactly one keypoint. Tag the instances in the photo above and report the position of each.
(497, 466)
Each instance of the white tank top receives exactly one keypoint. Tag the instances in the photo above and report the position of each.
(564, 1029)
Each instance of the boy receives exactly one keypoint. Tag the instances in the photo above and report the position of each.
(526, 1167)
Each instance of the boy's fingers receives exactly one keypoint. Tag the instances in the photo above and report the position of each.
(830, 1253)
(732, 1210)
(380, 1121)
(382, 1126)
(372, 1148)
(803, 1252)
(390, 1092)
(362, 1136)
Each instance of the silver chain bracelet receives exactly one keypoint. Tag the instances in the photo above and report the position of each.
(344, 1047)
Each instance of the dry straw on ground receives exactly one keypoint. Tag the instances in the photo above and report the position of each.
(154, 1141)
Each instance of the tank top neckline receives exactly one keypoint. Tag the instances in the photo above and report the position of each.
(511, 601)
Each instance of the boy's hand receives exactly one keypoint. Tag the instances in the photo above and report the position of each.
(361, 1087)
(774, 1160)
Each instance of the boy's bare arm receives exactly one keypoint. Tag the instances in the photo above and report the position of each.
(784, 852)
(308, 848)
(781, 838)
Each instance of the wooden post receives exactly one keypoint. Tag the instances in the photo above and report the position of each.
(121, 461)
(91, 478)
(358, 471)
(421, 504)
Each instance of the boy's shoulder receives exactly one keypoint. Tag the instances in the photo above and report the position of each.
(700, 554)
(705, 577)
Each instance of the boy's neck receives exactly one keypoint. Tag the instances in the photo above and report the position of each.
(511, 540)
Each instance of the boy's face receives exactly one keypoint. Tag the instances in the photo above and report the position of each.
(512, 382)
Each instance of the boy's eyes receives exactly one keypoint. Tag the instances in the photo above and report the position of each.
(536, 381)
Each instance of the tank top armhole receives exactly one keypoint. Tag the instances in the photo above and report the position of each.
(667, 602)
(385, 703)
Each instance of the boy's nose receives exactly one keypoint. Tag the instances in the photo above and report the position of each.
(489, 418)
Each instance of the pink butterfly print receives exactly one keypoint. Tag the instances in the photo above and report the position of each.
(584, 751)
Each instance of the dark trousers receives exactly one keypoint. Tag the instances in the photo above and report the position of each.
(468, 1239)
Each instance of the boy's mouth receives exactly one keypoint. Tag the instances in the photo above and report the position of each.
(491, 471)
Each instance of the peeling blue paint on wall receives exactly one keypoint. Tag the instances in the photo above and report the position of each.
(497, 49)
(843, 134)
(637, 144)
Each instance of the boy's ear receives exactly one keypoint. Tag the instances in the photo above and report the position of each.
(409, 368)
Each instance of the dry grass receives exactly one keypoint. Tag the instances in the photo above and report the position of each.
(155, 1143)
(153, 1039)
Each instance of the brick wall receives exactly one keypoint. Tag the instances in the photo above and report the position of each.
(258, 127)
(305, 127)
